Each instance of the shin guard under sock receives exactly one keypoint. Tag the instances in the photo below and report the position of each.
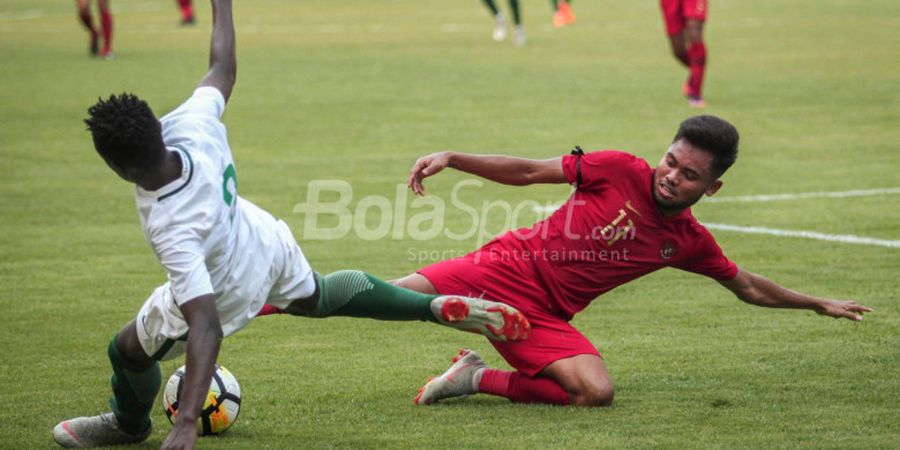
(357, 294)
(519, 388)
(134, 391)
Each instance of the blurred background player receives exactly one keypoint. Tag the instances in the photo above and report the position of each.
(500, 22)
(562, 13)
(187, 12)
(684, 25)
(106, 27)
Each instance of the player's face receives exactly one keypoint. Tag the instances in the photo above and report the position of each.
(122, 172)
(682, 177)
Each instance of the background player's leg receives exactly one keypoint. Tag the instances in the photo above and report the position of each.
(135, 382)
(106, 25)
(492, 7)
(516, 12)
(519, 37)
(679, 48)
(187, 11)
(696, 57)
(499, 20)
(84, 13)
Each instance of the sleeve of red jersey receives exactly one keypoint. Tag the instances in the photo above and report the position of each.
(708, 259)
(595, 168)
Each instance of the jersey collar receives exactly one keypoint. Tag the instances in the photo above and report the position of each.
(187, 172)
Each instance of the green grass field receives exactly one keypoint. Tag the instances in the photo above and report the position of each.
(356, 90)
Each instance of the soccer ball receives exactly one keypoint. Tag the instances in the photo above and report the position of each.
(223, 401)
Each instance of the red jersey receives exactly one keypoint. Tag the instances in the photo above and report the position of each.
(606, 234)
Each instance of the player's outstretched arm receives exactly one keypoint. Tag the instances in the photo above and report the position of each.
(222, 60)
(499, 168)
(758, 290)
(203, 344)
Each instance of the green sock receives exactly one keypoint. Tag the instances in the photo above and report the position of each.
(516, 13)
(357, 294)
(134, 391)
(491, 6)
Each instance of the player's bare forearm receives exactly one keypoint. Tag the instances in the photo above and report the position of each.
(502, 169)
(222, 56)
(758, 290)
(203, 343)
(508, 169)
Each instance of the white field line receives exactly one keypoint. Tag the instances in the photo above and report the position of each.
(770, 197)
(842, 238)
(802, 195)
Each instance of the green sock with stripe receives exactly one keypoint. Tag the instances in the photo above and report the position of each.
(352, 293)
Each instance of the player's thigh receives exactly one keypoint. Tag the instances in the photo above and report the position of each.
(293, 282)
(585, 377)
(673, 17)
(416, 282)
(693, 31)
(160, 328)
(552, 339)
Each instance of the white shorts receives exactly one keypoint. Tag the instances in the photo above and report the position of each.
(161, 327)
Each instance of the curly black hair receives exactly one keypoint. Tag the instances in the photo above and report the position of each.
(714, 135)
(125, 131)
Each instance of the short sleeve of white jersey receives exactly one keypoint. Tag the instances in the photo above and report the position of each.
(186, 267)
(205, 100)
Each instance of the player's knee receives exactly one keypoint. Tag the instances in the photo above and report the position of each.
(415, 282)
(597, 395)
(680, 53)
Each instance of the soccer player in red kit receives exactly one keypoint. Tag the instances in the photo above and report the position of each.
(106, 27)
(684, 25)
(624, 220)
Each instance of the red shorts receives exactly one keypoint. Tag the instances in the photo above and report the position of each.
(552, 337)
(677, 12)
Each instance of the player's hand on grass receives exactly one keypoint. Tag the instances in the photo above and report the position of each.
(842, 309)
(182, 437)
(425, 167)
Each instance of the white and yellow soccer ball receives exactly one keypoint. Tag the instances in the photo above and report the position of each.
(222, 404)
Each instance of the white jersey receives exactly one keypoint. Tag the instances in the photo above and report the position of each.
(209, 239)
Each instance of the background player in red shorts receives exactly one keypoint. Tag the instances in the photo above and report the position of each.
(684, 25)
(624, 220)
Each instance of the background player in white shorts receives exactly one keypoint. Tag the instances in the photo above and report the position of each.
(226, 259)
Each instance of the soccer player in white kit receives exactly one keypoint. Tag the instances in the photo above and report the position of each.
(226, 259)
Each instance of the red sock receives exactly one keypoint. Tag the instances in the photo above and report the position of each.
(268, 309)
(107, 27)
(697, 64)
(519, 388)
(187, 10)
